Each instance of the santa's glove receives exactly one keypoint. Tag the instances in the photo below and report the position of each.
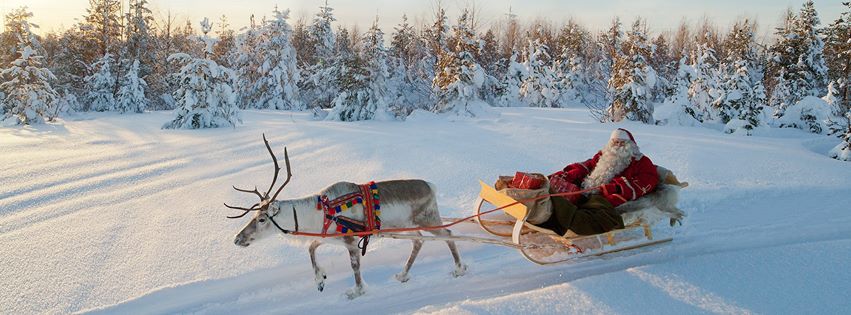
(609, 189)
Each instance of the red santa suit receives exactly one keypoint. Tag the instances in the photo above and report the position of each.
(627, 176)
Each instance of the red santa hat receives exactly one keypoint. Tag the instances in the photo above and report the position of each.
(622, 134)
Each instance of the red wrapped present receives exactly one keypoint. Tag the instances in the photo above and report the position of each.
(560, 184)
(527, 181)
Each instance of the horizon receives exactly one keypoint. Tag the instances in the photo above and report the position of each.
(52, 17)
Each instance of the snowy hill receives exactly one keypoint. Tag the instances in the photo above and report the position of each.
(110, 214)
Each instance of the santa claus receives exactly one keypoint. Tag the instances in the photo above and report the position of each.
(617, 174)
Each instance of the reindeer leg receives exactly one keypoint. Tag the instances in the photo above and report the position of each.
(460, 268)
(354, 256)
(319, 273)
(403, 276)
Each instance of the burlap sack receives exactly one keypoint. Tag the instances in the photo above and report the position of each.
(539, 210)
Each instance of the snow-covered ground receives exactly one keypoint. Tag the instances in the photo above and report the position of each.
(108, 213)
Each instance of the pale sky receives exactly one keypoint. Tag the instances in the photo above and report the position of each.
(661, 15)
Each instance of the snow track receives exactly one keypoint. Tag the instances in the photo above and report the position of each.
(114, 215)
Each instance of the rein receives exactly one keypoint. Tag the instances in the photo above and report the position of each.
(424, 228)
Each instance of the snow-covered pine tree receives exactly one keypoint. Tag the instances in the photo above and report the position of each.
(666, 67)
(437, 35)
(612, 45)
(488, 58)
(318, 89)
(811, 65)
(797, 59)
(17, 22)
(837, 54)
(204, 96)
(841, 129)
(28, 96)
(100, 85)
(704, 89)
(460, 77)
(131, 95)
(677, 109)
(247, 59)
(103, 27)
(363, 83)
(410, 70)
(140, 38)
(539, 87)
(67, 102)
(223, 52)
(832, 96)
(633, 80)
(277, 85)
(610, 49)
(742, 91)
(743, 100)
(573, 80)
(515, 74)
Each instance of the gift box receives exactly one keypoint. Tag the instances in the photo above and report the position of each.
(527, 181)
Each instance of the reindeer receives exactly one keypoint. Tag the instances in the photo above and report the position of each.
(404, 204)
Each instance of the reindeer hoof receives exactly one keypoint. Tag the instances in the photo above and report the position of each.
(354, 292)
(320, 280)
(459, 271)
(403, 277)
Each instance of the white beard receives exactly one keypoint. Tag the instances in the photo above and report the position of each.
(611, 163)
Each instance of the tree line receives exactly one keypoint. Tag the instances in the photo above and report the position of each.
(127, 61)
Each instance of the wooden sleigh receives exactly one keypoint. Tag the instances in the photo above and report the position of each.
(543, 246)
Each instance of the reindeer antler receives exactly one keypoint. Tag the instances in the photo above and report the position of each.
(264, 198)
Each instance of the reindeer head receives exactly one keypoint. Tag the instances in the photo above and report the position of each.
(262, 223)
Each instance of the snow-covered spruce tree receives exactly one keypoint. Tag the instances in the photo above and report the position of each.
(633, 80)
(26, 84)
(100, 85)
(515, 74)
(572, 79)
(574, 65)
(705, 88)
(837, 54)
(247, 59)
(411, 70)
(140, 36)
(277, 85)
(437, 35)
(742, 92)
(363, 82)
(488, 57)
(811, 65)
(539, 89)
(665, 65)
(832, 96)
(842, 129)
(743, 100)
(67, 102)
(223, 52)
(797, 59)
(318, 87)
(457, 84)
(610, 50)
(677, 109)
(131, 95)
(783, 95)
(204, 96)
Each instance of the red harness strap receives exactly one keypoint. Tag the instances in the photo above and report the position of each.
(367, 196)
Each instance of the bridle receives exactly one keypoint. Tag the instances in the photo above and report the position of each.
(283, 230)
